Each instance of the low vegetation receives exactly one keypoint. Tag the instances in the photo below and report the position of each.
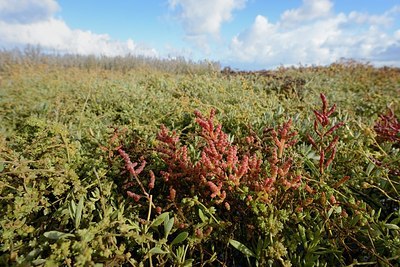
(144, 162)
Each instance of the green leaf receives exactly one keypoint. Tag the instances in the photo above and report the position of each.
(168, 226)
(242, 248)
(392, 226)
(180, 238)
(302, 232)
(72, 209)
(157, 250)
(370, 167)
(202, 216)
(78, 213)
(338, 209)
(55, 235)
(395, 221)
(355, 220)
(330, 211)
(1, 166)
(160, 219)
(39, 262)
(132, 225)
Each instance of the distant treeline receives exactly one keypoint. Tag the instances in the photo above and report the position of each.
(35, 55)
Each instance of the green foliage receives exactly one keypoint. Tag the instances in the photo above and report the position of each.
(297, 191)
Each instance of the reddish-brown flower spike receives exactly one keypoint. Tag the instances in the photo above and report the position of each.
(321, 161)
(141, 167)
(274, 171)
(331, 110)
(243, 169)
(172, 194)
(388, 127)
(332, 200)
(292, 142)
(165, 175)
(341, 181)
(333, 128)
(232, 157)
(208, 231)
(131, 167)
(158, 210)
(250, 140)
(296, 182)
(320, 117)
(199, 233)
(268, 184)
(331, 158)
(274, 157)
(205, 160)
(311, 140)
(152, 180)
(286, 184)
(206, 124)
(222, 197)
(165, 137)
(316, 128)
(286, 166)
(332, 144)
(125, 156)
(135, 197)
(212, 114)
(215, 190)
(324, 103)
(309, 189)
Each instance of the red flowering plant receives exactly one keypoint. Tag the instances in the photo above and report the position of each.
(279, 165)
(388, 127)
(223, 169)
(325, 141)
(218, 170)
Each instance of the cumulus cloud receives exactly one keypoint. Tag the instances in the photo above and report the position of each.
(311, 10)
(313, 34)
(201, 19)
(27, 11)
(34, 22)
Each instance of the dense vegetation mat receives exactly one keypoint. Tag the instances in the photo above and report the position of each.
(105, 163)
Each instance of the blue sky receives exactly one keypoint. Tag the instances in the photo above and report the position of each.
(243, 34)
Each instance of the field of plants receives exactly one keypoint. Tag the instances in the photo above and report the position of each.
(144, 162)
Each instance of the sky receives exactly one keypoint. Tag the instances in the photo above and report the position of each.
(242, 34)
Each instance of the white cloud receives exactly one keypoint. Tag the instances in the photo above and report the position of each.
(27, 11)
(313, 34)
(311, 10)
(201, 19)
(20, 26)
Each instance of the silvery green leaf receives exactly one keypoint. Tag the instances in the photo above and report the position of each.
(78, 214)
(180, 238)
(168, 226)
(157, 250)
(160, 219)
(242, 248)
(55, 235)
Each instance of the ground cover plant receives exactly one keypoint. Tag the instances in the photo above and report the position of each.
(135, 162)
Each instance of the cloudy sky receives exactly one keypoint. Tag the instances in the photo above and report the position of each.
(243, 34)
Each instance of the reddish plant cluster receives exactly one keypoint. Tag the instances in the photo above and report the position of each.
(130, 167)
(326, 143)
(279, 166)
(222, 166)
(388, 127)
(219, 168)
